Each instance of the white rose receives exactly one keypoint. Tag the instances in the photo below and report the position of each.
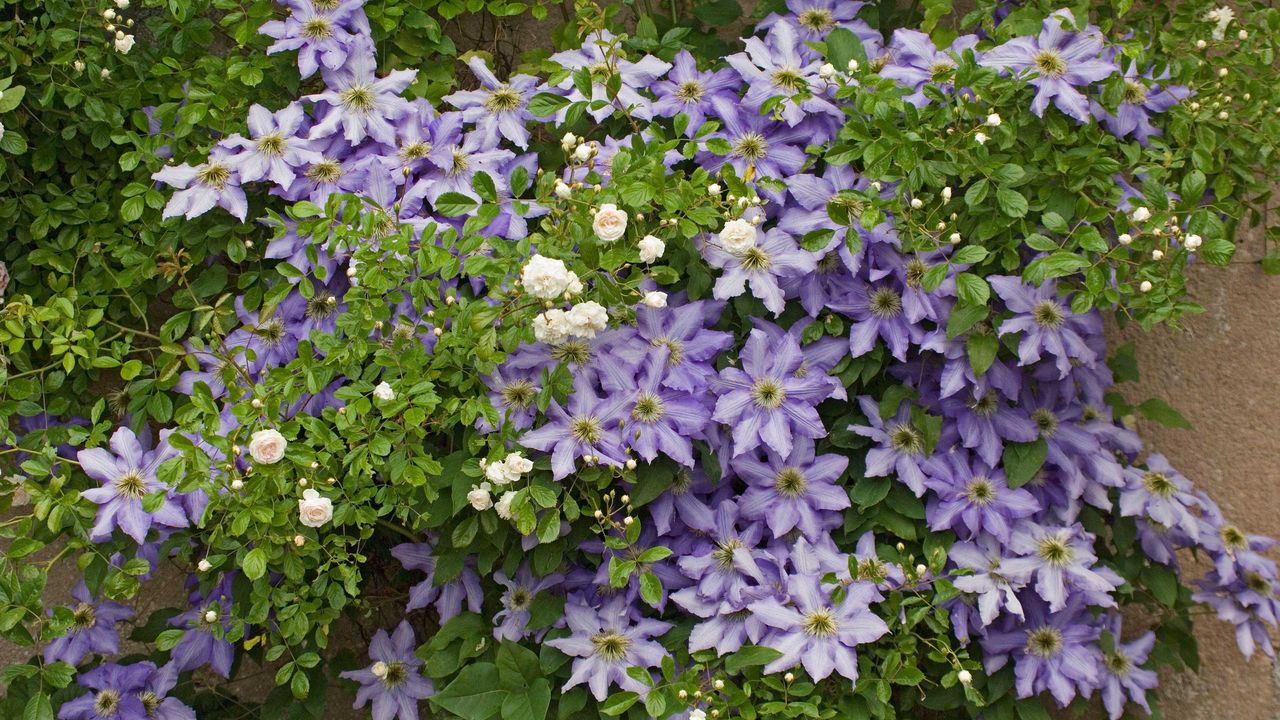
(124, 44)
(384, 392)
(313, 510)
(267, 446)
(504, 504)
(827, 71)
(1193, 241)
(563, 191)
(583, 153)
(738, 236)
(610, 222)
(547, 278)
(697, 714)
(479, 498)
(551, 327)
(518, 463)
(993, 120)
(499, 474)
(1141, 214)
(651, 248)
(586, 318)
(122, 4)
(655, 299)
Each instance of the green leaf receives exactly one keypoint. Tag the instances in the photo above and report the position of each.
(618, 703)
(972, 289)
(544, 103)
(255, 564)
(38, 708)
(1162, 583)
(11, 97)
(1054, 222)
(843, 46)
(969, 254)
(750, 656)
(1160, 411)
(1218, 252)
(982, 349)
(475, 694)
(453, 204)
(650, 587)
(530, 703)
(1023, 460)
(1012, 202)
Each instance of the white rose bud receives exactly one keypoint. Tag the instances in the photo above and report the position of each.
(124, 43)
(713, 189)
(267, 446)
(211, 616)
(503, 505)
(853, 65)
(917, 203)
(583, 153)
(78, 65)
(237, 484)
(105, 74)
(1146, 286)
(738, 236)
(1193, 242)
(587, 318)
(299, 540)
(1125, 238)
(204, 566)
(1201, 44)
(498, 474)
(610, 222)
(655, 299)
(946, 194)
(379, 669)
(965, 677)
(651, 248)
(631, 465)
(827, 71)
(1157, 254)
(1141, 214)
(955, 238)
(313, 510)
(980, 138)
(697, 714)
(479, 499)
(993, 120)
(563, 191)
(122, 4)
(569, 140)
(384, 392)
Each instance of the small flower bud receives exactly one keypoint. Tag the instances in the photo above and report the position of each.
(299, 540)
(713, 189)
(965, 677)
(1201, 44)
(853, 65)
(789, 677)
(917, 203)
(980, 138)
(256, 403)
(1125, 238)
(955, 238)
(204, 566)
(993, 120)
(631, 464)
(718, 684)
(1223, 72)
(1157, 254)
(1145, 286)
(237, 484)
(379, 669)
(1193, 242)
(827, 71)
(683, 694)
(628, 520)
(211, 616)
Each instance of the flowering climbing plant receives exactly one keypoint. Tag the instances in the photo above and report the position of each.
(655, 376)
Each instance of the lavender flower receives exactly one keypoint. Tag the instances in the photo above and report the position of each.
(1045, 323)
(814, 631)
(447, 597)
(917, 62)
(394, 682)
(200, 188)
(126, 692)
(1122, 674)
(601, 56)
(274, 148)
(323, 36)
(901, 445)
(517, 600)
(93, 629)
(605, 642)
(775, 257)
(1060, 558)
(127, 476)
(990, 581)
(663, 419)
(972, 497)
(1051, 651)
(692, 93)
(764, 401)
(588, 426)
(795, 491)
(784, 67)
(1061, 62)
(358, 102)
(499, 108)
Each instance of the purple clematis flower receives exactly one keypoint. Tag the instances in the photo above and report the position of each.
(901, 445)
(206, 623)
(358, 102)
(200, 188)
(773, 149)
(93, 629)
(1045, 323)
(916, 62)
(600, 54)
(662, 419)
(728, 570)
(126, 692)
(1057, 652)
(274, 148)
(394, 682)
(1143, 97)
(683, 330)
(127, 476)
(605, 642)
(1061, 559)
(774, 257)
(513, 619)
(783, 67)
(1161, 494)
(765, 401)
(1122, 672)
(691, 92)
(877, 311)
(1060, 61)
(498, 108)
(814, 631)
(448, 597)
(795, 491)
(323, 36)
(989, 582)
(588, 426)
(971, 497)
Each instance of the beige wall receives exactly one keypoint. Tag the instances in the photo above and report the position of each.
(1219, 371)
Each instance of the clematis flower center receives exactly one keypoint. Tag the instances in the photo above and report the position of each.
(940, 69)
(131, 485)
(577, 352)
(415, 151)
(788, 79)
(502, 99)
(1159, 484)
(1233, 537)
(980, 491)
(610, 645)
(817, 19)
(321, 306)
(1044, 642)
(326, 4)
(317, 28)
(106, 703)
(885, 303)
(396, 674)
(326, 171)
(1049, 64)
(873, 570)
(690, 92)
(358, 98)
(723, 553)
(675, 349)
(586, 430)
(790, 482)
(1119, 663)
(768, 393)
(84, 616)
(272, 145)
(751, 146)
(461, 163)
(915, 271)
(214, 175)
(1054, 550)
(1048, 314)
(150, 702)
(681, 483)
(518, 394)
(649, 408)
(1046, 422)
(271, 331)
(984, 405)
(821, 623)
(520, 599)
(756, 260)
(906, 439)
(1135, 93)
(1257, 583)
